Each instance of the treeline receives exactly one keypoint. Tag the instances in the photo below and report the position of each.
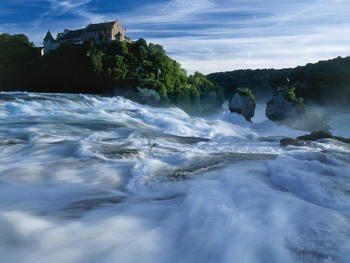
(136, 70)
(325, 82)
(17, 57)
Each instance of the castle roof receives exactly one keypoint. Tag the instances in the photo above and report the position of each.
(99, 27)
(72, 34)
(90, 28)
(48, 36)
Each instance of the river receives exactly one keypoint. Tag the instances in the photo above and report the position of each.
(93, 179)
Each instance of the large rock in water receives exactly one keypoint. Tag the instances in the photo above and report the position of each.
(243, 102)
(284, 105)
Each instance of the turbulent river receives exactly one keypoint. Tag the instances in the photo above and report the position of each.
(90, 179)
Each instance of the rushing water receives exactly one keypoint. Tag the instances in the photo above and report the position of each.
(89, 179)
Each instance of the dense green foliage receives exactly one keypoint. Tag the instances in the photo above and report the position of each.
(115, 68)
(248, 93)
(290, 96)
(17, 54)
(322, 82)
(255, 80)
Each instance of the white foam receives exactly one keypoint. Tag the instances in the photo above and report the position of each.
(92, 179)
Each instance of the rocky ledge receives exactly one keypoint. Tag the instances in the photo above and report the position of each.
(314, 136)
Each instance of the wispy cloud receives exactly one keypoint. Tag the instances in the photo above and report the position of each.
(218, 35)
(74, 7)
(226, 35)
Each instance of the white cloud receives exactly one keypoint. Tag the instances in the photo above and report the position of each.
(210, 35)
(73, 7)
(212, 55)
(269, 34)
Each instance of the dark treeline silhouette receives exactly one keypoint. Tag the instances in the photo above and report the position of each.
(115, 68)
(325, 82)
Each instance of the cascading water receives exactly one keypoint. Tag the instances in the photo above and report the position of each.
(92, 179)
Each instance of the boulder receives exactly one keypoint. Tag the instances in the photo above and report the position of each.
(243, 102)
(314, 136)
(148, 96)
(285, 106)
(291, 141)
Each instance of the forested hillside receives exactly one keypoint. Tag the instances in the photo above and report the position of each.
(323, 82)
(136, 70)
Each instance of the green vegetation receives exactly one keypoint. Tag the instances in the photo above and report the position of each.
(248, 93)
(17, 55)
(325, 82)
(290, 96)
(297, 102)
(115, 68)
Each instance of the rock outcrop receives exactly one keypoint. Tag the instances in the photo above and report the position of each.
(284, 105)
(148, 96)
(314, 136)
(243, 102)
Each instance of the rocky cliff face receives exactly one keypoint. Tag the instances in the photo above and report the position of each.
(243, 102)
(284, 105)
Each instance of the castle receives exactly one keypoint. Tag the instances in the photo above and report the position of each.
(102, 32)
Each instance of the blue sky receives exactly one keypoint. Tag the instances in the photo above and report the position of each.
(204, 35)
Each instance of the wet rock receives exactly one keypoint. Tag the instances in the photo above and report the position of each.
(148, 96)
(291, 141)
(176, 138)
(314, 136)
(185, 140)
(94, 203)
(118, 152)
(285, 106)
(215, 161)
(243, 102)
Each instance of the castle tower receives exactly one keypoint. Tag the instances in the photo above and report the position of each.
(117, 31)
(48, 38)
(49, 43)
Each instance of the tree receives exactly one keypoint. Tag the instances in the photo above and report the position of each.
(101, 67)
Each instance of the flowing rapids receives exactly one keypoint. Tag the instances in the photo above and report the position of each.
(90, 179)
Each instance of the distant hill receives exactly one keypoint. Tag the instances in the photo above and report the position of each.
(325, 82)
